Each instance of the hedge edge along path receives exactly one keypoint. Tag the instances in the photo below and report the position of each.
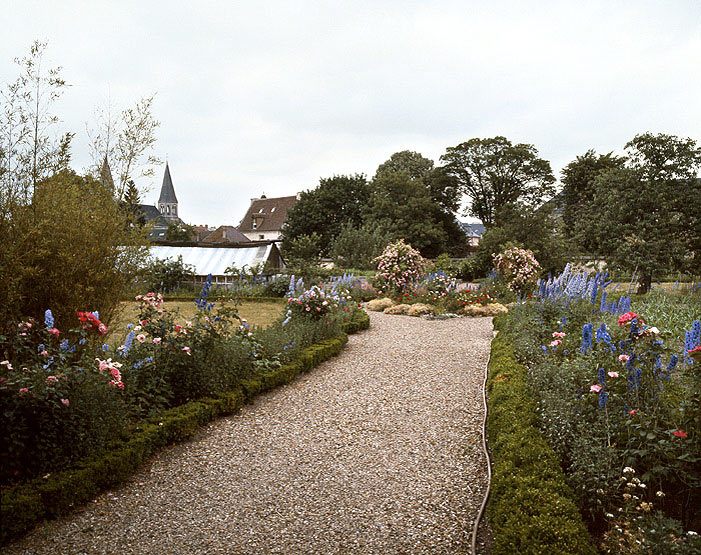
(24, 505)
(531, 509)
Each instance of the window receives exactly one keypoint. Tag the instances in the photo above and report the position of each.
(167, 209)
(272, 210)
(175, 210)
(261, 237)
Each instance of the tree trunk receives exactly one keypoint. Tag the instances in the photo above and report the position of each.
(644, 283)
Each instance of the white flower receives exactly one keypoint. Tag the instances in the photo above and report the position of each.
(628, 470)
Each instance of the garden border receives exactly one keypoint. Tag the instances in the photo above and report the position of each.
(25, 505)
(531, 509)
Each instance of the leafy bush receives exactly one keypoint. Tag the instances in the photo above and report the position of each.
(356, 247)
(70, 246)
(165, 275)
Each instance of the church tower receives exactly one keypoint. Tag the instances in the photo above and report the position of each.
(168, 202)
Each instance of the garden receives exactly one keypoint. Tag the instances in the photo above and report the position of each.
(594, 420)
(83, 405)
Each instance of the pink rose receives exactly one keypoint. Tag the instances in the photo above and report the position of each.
(157, 340)
(613, 374)
(559, 334)
(141, 338)
(44, 353)
(555, 343)
(23, 390)
(623, 358)
(143, 322)
(54, 332)
(595, 388)
(680, 433)
(632, 413)
(187, 350)
(102, 328)
(65, 402)
(6, 363)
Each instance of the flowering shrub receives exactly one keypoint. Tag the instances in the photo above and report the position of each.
(519, 269)
(317, 304)
(399, 267)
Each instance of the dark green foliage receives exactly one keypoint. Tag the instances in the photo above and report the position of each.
(578, 184)
(532, 229)
(531, 508)
(357, 247)
(337, 201)
(646, 217)
(165, 275)
(22, 506)
(414, 163)
(179, 232)
(303, 251)
(494, 172)
(403, 208)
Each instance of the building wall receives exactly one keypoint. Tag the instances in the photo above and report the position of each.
(256, 235)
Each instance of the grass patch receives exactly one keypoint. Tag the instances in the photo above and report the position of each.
(260, 314)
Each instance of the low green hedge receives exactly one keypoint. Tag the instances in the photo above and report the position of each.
(531, 508)
(24, 505)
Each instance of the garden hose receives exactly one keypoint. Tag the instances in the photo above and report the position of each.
(475, 526)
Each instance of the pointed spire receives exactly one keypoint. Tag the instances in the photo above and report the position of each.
(167, 191)
(106, 174)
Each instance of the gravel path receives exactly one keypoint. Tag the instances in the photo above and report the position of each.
(375, 451)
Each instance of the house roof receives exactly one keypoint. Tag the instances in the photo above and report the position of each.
(472, 230)
(215, 261)
(270, 213)
(167, 191)
(152, 214)
(226, 234)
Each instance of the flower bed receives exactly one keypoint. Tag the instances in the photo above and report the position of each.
(76, 422)
(617, 400)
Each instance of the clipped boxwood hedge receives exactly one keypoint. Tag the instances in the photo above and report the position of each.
(531, 508)
(24, 505)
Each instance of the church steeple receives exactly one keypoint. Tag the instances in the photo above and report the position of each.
(106, 174)
(168, 202)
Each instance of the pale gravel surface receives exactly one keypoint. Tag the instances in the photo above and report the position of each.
(375, 451)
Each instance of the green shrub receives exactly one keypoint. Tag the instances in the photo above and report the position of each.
(531, 508)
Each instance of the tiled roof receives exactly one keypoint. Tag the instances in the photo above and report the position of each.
(226, 234)
(152, 214)
(270, 214)
(167, 191)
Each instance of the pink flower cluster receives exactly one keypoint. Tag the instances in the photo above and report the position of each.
(518, 267)
(112, 368)
(150, 299)
(399, 266)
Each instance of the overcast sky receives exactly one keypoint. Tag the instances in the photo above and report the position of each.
(267, 97)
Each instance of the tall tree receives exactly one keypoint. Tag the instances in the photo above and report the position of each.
(646, 217)
(402, 208)
(494, 172)
(337, 201)
(406, 160)
(578, 184)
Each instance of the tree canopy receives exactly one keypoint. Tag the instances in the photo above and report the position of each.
(337, 201)
(494, 172)
(646, 217)
(578, 183)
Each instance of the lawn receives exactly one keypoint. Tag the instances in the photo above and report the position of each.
(256, 313)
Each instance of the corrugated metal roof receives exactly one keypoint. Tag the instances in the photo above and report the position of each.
(214, 260)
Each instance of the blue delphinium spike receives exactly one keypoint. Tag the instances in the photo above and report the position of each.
(48, 319)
